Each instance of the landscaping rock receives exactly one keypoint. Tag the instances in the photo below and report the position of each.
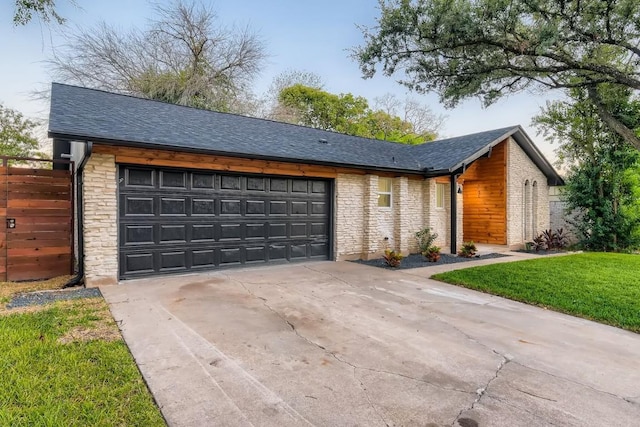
(46, 297)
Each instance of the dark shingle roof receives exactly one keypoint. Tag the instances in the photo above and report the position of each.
(87, 114)
(448, 153)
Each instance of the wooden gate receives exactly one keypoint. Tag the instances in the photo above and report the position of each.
(36, 222)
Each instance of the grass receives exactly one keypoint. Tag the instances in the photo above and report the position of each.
(604, 287)
(65, 364)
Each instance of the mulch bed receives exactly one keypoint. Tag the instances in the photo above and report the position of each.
(417, 261)
(543, 252)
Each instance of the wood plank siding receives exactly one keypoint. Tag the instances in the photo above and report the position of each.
(485, 198)
(40, 201)
(141, 156)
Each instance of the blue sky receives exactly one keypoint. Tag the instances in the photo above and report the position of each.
(302, 35)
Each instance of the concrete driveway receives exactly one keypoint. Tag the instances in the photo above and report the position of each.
(342, 344)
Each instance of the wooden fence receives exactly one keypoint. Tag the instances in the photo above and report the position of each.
(36, 222)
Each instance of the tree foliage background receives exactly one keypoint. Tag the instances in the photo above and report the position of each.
(603, 183)
(17, 137)
(186, 56)
(492, 48)
(352, 115)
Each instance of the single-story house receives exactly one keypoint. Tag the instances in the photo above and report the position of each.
(167, 188)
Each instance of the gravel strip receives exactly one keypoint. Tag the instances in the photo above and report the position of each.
(46, 297)
(417, 261)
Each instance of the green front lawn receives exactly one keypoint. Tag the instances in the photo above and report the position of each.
(604, 287)
(66, 365)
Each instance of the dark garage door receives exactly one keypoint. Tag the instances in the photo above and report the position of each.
(179, 220)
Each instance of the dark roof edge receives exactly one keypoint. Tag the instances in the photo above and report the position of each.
(530, 149)
(481, 152)
(70, 137)
(522, 139)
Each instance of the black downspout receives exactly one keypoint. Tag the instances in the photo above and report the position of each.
(79, 277)
(454, 215)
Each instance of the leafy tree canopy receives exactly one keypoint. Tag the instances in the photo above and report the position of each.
(491, 48)
(16, 134)
(26, 9)
(349, 114)
(603, 183)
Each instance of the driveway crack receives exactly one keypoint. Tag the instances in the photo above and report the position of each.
(608, 393)
(341, 360)
(483, 390)
(333, 276)
(528, 411)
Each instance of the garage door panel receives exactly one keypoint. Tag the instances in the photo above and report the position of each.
(298, 250)
(319, 208)
(178, 220)
(173, 206)
(277, 208)
(173, 180)
(256, 231)
(278, 185)
(319, 187)
(298, 230)
(230, 207)
(174, 260)
(277, 252)
(139, 206)
(277, 230)
(256, 208)
(319, 229)
(256, 184)
(256, 254)
(202, 181)
(173, 233)
(230, 231)
(300, 186)
(137, 177)
(202, 233)
(202, 207)
(137, 234)
(230, 182)
(230, 256)
(319, 250)
(299, 208)
(138, 263)
(203, 258)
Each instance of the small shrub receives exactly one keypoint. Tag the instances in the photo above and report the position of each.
(562, 240)
(539, 243)
(432, 253)
(425, 239)
(549, 239)
(392, 258)
(468, 250)
(555, 240)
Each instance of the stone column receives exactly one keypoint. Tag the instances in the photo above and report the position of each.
(401, 214)
(100, 221)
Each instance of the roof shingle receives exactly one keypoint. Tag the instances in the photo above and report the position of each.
(87, 114)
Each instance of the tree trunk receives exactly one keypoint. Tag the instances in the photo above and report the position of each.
(614, 124)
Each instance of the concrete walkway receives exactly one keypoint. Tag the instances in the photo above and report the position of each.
(346, 344)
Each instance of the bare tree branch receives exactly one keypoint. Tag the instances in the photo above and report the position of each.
(185, 56)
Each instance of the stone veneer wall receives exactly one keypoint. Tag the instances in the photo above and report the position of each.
(100, 221)
(350, 233)
(558, 215)
(520, 168)
(363, 230)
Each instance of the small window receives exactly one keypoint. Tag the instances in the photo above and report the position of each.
(440, 192)
(384, 192)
